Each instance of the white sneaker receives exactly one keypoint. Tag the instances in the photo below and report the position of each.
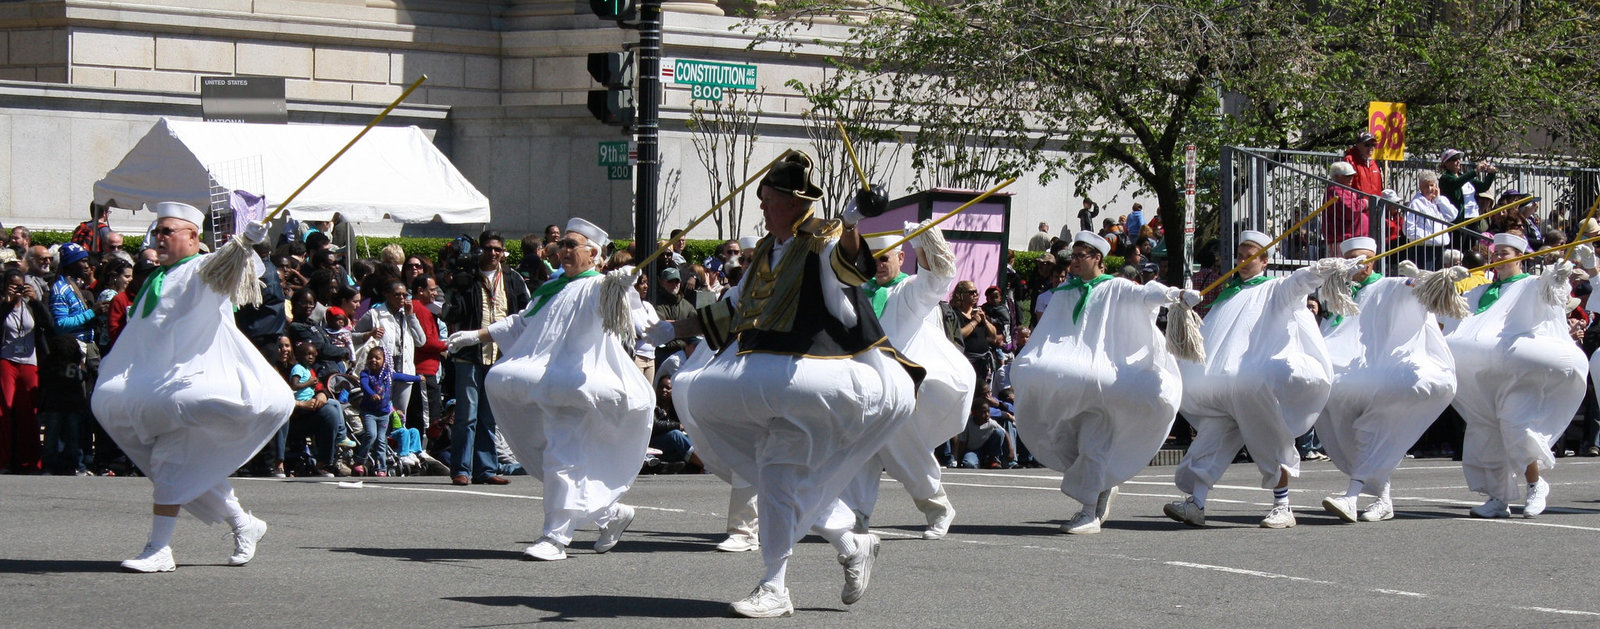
(1342, 506)
(764, 602)
(940, 514)
(245, 539)
(611, 533)
(1280, 517)
(858, 568)
(1082, 524)
(1537, 496)
(545, 549)
(1492, 508)
(151, 560)
(1186, 511)
(738, 544)
(1103, 508)
(1378, 512)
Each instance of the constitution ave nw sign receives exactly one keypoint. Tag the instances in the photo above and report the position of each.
(707, 79)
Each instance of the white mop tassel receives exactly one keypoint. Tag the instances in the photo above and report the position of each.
(1183, 333)
(1335, 290)
(232, 271)
(1437, 292)
(615, 315)
(1555, 283)
(941, 261)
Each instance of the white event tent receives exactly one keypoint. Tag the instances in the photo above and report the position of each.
(394, 173)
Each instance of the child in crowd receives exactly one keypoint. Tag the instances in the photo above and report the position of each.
(303, 380)
(377, 379)
(407, 442)
(337, 323)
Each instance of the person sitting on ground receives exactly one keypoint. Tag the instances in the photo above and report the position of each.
(667, 435)
(982, 444)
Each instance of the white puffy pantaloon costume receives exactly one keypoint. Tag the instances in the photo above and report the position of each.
(911, 318)
(187, 397)
(1264, 381)
(572, 404)
(1520, 379)
(798, 428)
(1392, 376)
(1096, 397)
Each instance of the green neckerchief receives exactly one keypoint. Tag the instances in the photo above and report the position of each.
(545, 291)
(1235, 285)
(880, 297)
(152, 287)
(1355, 293)
(1492, 293)
(1077, 283)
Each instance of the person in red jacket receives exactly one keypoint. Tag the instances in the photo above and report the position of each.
(425, 302)
(1368, 178)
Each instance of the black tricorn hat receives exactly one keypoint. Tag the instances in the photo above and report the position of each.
(792, 174)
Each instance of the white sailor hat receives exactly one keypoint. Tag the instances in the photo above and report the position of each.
(1093, 241)
(181, 211)
(589, 230)
(1511, 240)
(1254, 237)
(1358, 242)
(879, 243)
(748, 242)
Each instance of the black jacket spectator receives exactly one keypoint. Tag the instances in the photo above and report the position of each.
(463, 308)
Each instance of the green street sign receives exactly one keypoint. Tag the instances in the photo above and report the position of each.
(619, 172)
(732, 76)
(614, 153)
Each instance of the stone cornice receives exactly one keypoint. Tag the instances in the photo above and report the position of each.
(81, 98)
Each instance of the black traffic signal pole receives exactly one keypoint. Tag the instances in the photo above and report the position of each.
(647, 129)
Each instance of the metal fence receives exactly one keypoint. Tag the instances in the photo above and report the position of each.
(1269, 190)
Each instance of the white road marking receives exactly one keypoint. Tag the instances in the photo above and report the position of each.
(1252, 573)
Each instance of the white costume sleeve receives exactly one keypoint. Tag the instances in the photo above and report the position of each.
(1157, 294)
(841, 308)
(925, 290)
(1302, 282)
(506, 330)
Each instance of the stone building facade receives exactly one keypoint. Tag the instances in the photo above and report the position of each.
(82, 80)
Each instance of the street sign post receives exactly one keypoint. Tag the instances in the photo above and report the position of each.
(1188, 210)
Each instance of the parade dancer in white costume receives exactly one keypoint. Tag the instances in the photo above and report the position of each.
(804, 387)
(184, 393)
(1097, 390)
(1265, 379)
(1392, 376)
(908, 307)
(583, 407)
(1520, 379)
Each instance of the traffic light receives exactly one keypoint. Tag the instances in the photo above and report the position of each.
(615, 9)
(614, 70)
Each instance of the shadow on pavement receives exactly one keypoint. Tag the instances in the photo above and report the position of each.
(428, 554)
(598, 606)
(1033, 528)
(51, 566)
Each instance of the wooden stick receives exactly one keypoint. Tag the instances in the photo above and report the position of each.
(942, 219)
(1270, 245)
(652, 257)
(1449, 229)
(851, 149)
(381, 115)
(1536, 254)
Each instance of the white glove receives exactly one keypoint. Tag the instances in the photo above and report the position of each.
(1191, 297)
(1409, 269)
(1559, 272)
(660, 333)
(850, 215)
(255, 233)
(1584, 256)
(1459, 273)
(463, 339)
(1354, 264)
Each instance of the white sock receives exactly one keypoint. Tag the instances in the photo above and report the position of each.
(846, 544)
(1280, 496)
(1200, 492)
(237, 518)
(161, 528)
(1355, 488)
(1384, 495)
(775, 574)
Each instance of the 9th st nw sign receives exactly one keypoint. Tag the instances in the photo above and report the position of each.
(707, 79)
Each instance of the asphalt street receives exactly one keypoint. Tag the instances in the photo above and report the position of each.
(417, 552)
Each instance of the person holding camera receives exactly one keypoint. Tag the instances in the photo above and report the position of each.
(481, 293)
